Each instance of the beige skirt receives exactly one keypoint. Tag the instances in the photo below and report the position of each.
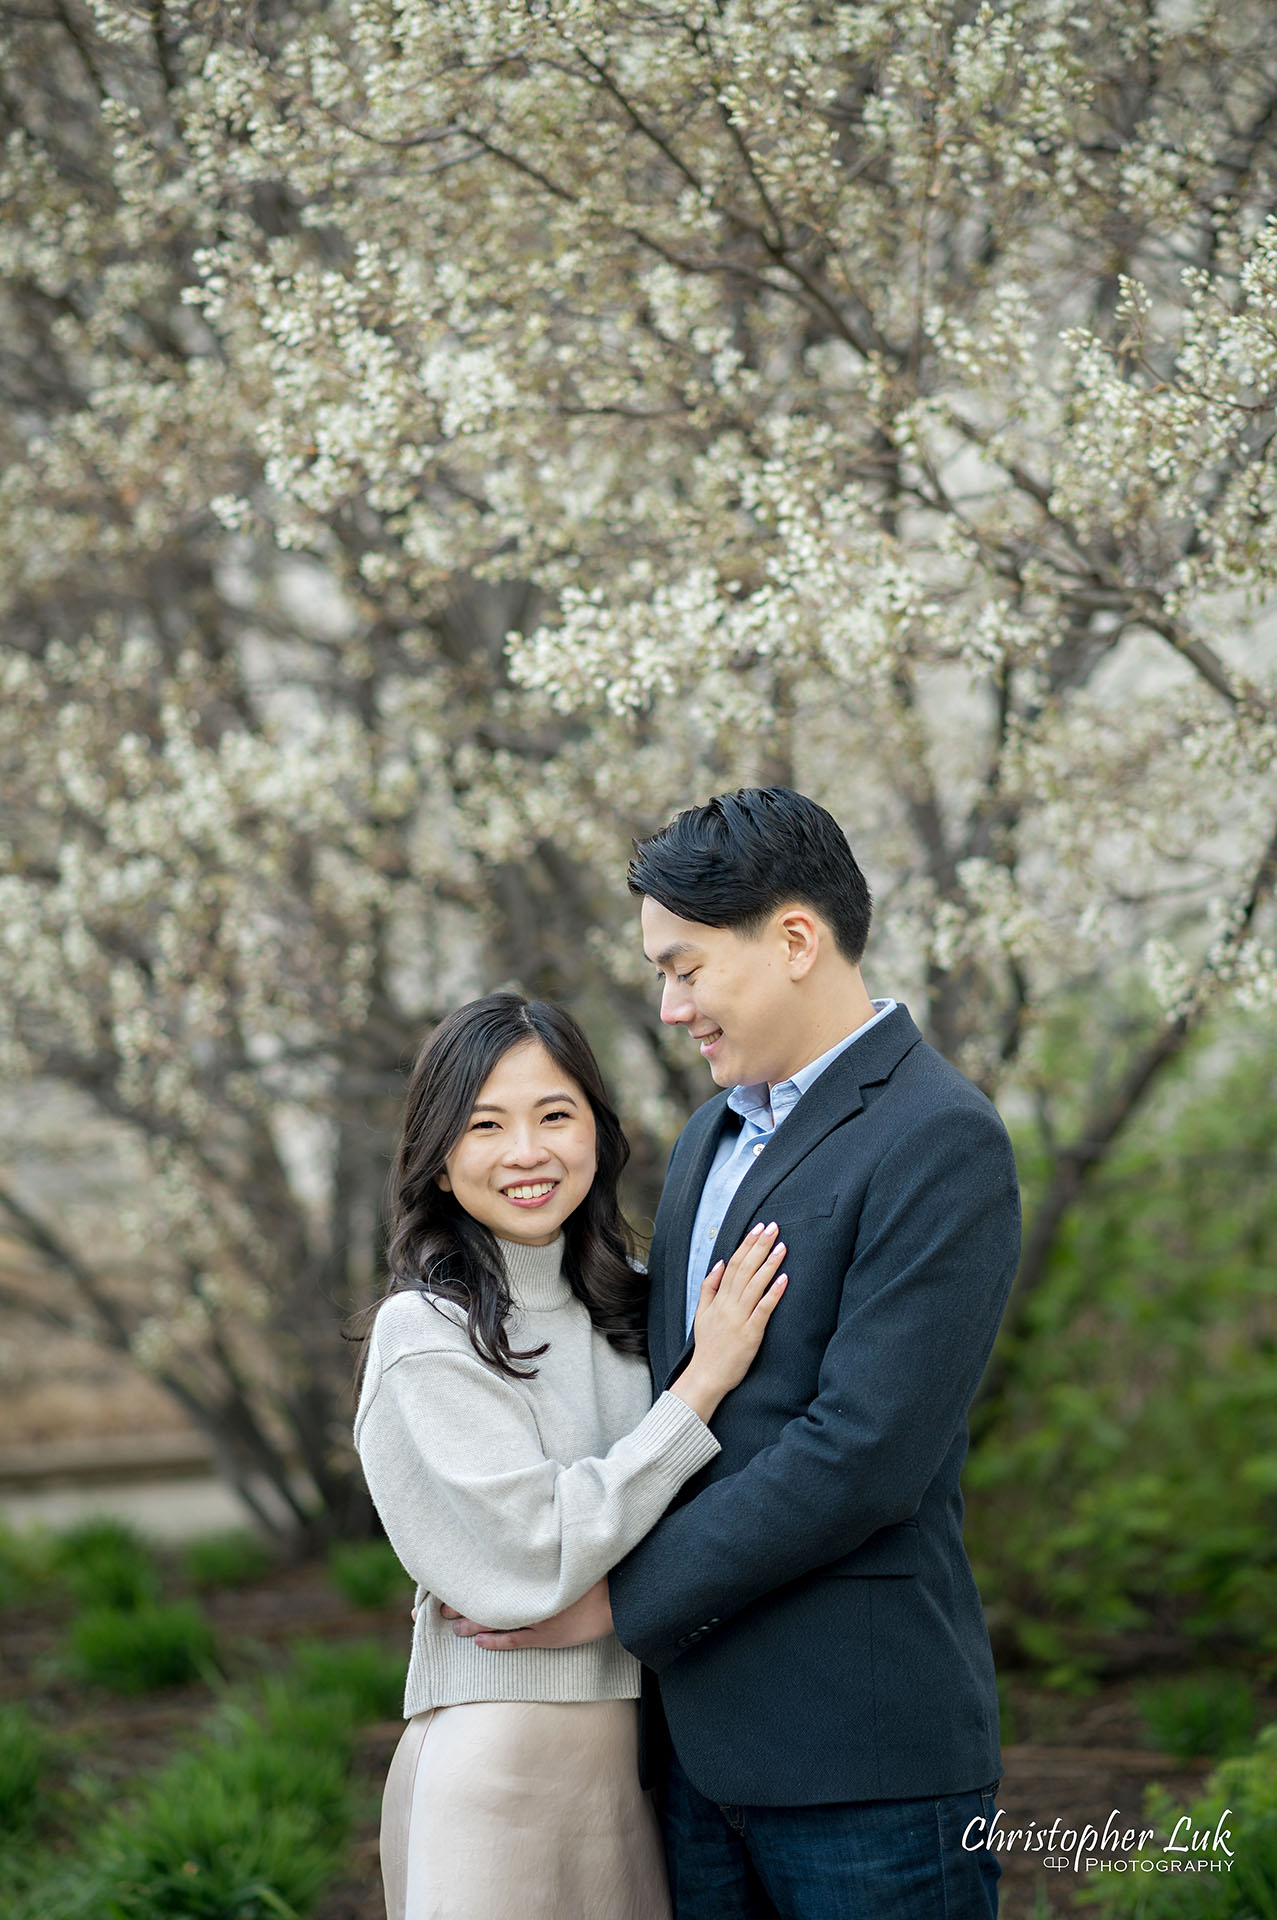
(514, 1810)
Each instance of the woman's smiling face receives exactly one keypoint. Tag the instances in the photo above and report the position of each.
(526, 1157)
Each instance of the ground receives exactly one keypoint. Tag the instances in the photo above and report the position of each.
(1072, 1760)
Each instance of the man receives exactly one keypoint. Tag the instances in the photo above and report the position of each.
(820, 1712)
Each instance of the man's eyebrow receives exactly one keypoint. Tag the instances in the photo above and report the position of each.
(546, 1100)
(674, 952)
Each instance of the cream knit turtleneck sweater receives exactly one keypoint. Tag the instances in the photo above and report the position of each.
(509, 1498)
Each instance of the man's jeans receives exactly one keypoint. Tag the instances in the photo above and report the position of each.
(852, 1860)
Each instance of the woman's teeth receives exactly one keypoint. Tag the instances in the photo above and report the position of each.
(536, 1191)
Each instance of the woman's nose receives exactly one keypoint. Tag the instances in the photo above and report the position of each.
(525, 1151)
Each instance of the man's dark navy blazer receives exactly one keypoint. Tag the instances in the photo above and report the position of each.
(805, 1607)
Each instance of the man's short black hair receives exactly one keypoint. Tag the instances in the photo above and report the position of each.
(732, 862)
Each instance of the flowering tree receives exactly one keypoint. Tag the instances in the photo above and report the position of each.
(440, 440)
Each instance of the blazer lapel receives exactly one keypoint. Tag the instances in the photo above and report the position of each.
(833, 1098)
(672, 1237)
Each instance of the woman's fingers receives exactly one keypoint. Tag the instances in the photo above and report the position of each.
(710, 1285)
(755, 1262)
(758, 1284)
(751, 1253)
(749, 1278)
(765, 1308)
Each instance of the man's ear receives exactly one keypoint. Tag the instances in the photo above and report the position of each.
(801, 932)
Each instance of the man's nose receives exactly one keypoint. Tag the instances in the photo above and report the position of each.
(676, 1004)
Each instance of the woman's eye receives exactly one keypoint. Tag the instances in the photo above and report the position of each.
(477, 1125)
(685, 979)
(560, 1113)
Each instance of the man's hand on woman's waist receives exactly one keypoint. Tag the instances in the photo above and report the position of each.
(589, 1618)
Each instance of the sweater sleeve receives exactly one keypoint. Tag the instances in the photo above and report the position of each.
(478, 1514)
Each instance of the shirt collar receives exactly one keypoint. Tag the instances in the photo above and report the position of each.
(753, 1104)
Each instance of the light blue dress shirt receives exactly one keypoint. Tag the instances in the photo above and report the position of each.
(737, 1152)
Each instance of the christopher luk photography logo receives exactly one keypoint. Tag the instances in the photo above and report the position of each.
(1114, 1848)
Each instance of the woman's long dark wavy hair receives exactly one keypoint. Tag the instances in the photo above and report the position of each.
(434, 1246)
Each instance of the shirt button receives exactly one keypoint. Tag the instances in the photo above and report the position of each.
(759, 1145)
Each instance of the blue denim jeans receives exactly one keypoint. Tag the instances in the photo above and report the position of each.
(851, 1860)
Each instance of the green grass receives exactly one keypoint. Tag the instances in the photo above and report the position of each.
(229, 1833)
(367, 1675)
(1210, 1713)
(139, 1649)
(104, 1563)
(250, 1819)
(226, 1560)
(24, 1753)
(367, 1573)
(248, 1824)
(1242, 1792)
(27, 1567)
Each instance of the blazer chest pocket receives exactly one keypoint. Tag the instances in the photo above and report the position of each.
(892, 1550)
(816, 1208)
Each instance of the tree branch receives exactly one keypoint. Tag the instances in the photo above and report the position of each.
(15, 1301)
(37, 1234)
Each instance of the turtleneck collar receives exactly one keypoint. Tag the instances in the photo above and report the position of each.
(536, 1278)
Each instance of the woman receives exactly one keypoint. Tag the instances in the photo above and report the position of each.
(506, 1435)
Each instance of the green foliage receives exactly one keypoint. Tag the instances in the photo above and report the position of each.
(350, 1680)
(1247, 1787)
(246, 1825)
(226, 1559)
(56, 1890)
(1008, 1719)
(24, 1752)
(104, 1563)
(245, 1830)
(223, 1833)
(1130, 1479)
(27, 1565)
(366, 1675)
(1211, 1713)
(366, 1572)
(133, 1651)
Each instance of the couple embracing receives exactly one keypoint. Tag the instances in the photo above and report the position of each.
(767, 1556)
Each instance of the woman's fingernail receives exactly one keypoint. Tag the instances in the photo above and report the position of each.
(757, 1229)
